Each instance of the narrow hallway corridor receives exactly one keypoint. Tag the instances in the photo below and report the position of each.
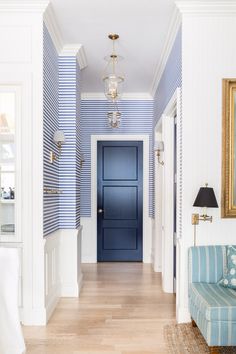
(121, 310)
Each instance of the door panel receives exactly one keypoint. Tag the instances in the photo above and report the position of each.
(120, 202)
(120, 188)
(128, 163)
(120, 239)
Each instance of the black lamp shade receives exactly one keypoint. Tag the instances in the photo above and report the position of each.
(206, 198)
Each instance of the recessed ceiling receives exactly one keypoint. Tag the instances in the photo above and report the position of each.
(142, 26)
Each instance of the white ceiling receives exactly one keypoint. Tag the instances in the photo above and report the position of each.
(142, 26)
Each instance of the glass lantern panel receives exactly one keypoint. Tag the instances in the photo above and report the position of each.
(113, 87)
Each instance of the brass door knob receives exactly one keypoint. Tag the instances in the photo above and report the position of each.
(100, 211)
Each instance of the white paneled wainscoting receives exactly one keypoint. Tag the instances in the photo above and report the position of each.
(62, 261)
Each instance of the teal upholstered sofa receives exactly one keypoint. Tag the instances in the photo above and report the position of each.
(212, 307)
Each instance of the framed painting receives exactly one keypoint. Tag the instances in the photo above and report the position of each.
(228, 205)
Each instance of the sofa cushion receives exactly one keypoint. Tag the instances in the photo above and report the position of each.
(216, 333)
(229, 279)
(215, 302)
(207, 264)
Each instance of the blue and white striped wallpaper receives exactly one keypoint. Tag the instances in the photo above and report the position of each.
(61, 110)
(171, 78)
(137, 118)
(69, 167)
(81, 119)
(50, 124)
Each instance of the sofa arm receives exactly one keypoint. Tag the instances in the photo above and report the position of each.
(206, 264)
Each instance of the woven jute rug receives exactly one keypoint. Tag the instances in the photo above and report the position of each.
(184, 338)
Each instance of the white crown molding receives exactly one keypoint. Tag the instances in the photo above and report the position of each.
(45, 7)
(53, 28)
(227, 7)
(171, 35)
(75, 50)
(23, 6)
(136, 96)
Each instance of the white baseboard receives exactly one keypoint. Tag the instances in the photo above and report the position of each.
(88, 259)
(52, 303)
(182, 315)
(34, 317)
(157, 269)
(69, 290)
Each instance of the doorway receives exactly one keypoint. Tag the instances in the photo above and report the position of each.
(90, 223)
(120, 201)
(167, 185)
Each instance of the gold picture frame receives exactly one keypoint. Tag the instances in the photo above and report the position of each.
(228, 200)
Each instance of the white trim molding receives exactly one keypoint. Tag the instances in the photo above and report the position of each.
(171, 35)
(70, 262)
(53, 28)
(90, 224)
(164, 221)
(45, 7)
(138, 96)
(210, 7)
(76, 50)
(23, 6)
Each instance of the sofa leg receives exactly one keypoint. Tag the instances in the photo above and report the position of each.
(194, 323)
(214, 350)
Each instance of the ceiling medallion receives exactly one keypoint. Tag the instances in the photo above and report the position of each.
(113, 83)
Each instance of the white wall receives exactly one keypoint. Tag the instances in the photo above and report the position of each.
(209, 54)
(21, 42)
(50, 267)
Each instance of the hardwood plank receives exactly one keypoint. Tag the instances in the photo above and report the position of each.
(121, 310)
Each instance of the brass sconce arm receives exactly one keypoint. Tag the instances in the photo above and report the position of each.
(158, 148)
(196, 218)
(158, 158)
(82, 160)
(59, 139)
(205, 199)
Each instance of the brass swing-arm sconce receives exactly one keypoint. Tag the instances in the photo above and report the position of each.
(205, 199)
(158, 148)
(59, 139)
(82, 159)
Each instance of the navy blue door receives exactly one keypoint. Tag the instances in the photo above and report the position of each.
(120, 204)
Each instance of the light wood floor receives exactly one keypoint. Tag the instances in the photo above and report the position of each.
(121, 310)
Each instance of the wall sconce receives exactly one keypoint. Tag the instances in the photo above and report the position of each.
(82, 160)
(158, 148)
(59, 139)
(205, 199)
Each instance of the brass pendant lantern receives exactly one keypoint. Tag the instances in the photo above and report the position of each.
(113, 83)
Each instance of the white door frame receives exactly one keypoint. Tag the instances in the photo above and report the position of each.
(165, 129)
(147, 229)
